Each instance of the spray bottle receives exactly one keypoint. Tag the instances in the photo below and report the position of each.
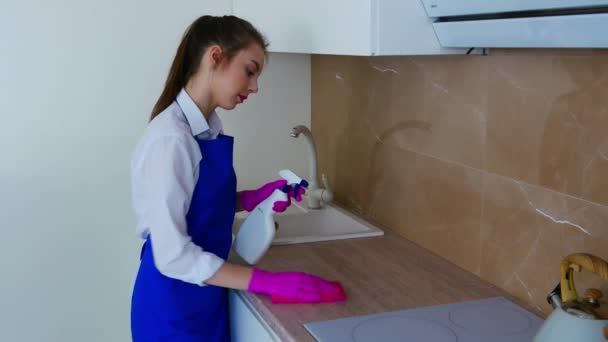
(257, 231)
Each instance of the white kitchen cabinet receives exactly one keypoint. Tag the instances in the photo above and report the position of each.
(245, 323)
(344, 27)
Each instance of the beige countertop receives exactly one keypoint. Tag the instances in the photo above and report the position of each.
(379, 274)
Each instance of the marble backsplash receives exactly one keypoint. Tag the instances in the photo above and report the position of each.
(497, 163)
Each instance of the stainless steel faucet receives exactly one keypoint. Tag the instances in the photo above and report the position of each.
(316, 194)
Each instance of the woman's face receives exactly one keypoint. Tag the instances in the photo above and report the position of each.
(236, 79)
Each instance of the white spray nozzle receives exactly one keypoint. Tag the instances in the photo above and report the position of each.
(292, 178)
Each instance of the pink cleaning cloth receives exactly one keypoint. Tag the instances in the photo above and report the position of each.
(336, 296)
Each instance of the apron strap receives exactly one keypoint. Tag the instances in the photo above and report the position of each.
(143, 248)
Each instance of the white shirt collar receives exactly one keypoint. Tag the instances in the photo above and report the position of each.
(196, 118)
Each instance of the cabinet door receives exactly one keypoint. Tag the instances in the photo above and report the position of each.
(344, 27)
(341, 27)
(245, 325)
(402, 27)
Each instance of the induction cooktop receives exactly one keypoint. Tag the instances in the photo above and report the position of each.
(494, 319)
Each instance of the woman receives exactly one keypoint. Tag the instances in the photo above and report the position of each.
(184, 192)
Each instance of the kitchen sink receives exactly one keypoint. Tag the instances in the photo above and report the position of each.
(299, 224)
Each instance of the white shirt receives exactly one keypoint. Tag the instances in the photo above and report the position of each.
(164, 172)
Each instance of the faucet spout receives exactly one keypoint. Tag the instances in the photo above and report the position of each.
(316, 194)
(312, 151)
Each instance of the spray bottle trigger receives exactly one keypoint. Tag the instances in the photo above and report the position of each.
(296, 190)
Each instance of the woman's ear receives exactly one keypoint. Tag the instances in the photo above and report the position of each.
(215, 55)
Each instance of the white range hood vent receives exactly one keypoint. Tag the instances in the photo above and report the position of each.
(520, 23)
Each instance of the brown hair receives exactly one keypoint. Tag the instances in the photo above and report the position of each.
(231, 33)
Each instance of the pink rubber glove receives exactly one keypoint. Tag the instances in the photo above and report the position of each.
(251, 198)
(281, 206)
(337, 296)
(299, 287)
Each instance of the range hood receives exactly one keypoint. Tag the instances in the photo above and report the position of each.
(520, 23)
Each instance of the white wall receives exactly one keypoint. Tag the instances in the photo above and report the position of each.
(77, 81)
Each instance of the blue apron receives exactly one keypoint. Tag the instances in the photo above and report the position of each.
(167, 309)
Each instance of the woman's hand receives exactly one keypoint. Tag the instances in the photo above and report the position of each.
(251, 198)
(294, 287)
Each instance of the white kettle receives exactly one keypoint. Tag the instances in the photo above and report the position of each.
(578, 319)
